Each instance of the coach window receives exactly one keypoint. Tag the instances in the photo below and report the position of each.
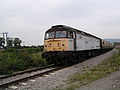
(70, 34)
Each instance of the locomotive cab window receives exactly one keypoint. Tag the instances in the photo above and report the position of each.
(49, 35)
(70, 34)
(56, 34)
(60, 34)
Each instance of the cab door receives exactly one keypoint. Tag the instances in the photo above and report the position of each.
(71, 41)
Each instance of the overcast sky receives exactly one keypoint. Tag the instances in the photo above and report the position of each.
(29, 19)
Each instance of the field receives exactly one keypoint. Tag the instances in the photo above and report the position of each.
(13, 60)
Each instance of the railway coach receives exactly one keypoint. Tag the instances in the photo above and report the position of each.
(63, 44)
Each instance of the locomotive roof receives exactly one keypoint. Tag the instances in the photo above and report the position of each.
(67, 28)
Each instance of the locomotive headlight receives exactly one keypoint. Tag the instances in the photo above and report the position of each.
(58, 44)
(63, 44)
(50, 44)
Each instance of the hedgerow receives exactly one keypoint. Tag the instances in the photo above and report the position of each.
(19, 60)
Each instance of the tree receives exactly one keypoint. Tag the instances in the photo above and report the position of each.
(17, 42)
(10, 42)
(2, 41)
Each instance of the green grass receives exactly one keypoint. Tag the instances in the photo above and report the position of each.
(108, 66)
(13, 61)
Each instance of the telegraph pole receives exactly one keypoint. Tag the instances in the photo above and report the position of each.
(5, 37)
(6, 33)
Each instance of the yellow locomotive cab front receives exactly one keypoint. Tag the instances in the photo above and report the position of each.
(56, 45)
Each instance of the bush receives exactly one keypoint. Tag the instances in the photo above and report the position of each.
(19, 60)
(38, 61)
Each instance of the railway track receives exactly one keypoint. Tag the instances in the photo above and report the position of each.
(13, 79)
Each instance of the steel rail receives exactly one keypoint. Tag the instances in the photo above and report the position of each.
(26, 71)
(5, 85)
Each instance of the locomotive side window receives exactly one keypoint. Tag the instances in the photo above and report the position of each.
(74, 35)
(49, 35)
(60, 34)
(70, 34)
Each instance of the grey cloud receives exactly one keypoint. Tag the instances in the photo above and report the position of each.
(29, 19)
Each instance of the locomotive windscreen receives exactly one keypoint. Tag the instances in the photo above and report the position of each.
(49, 35)
(56, 34)
(60, 34)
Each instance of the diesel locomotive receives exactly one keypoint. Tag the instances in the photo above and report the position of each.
(64, 44)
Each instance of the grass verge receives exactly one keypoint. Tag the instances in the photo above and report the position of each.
(99, 71)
